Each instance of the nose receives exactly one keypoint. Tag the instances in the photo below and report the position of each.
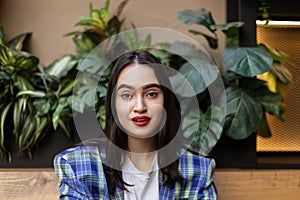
(139, 105)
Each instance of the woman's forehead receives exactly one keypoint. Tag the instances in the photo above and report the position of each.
(137, 75)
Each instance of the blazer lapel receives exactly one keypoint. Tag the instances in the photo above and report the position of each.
(164, 191)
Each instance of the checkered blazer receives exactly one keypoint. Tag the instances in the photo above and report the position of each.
(82, 177)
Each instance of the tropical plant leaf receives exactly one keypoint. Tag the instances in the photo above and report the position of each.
(3, 118)
(263, 128)
(201, 17)
(282, 73)
(231, 30)
(210, 130)
(22, 83)
(98, 18)
(277, 55)
(243, 113)
(32, 93)
(42, 106)
(11, 60)
(213, 42)
(83, 44)
(60, 67)
(101, 116)
(131, 39)
(198, 77)
(58, 111)
(67, 86)
(65, 128)
(77, 103)
(247, 62)
(17, 42)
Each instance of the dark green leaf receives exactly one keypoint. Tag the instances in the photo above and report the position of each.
(42, 106)
(197, 77)
(201, 17)
(210, 130)
(22, 83)
(231, 30)
(213, 42)
(247, 62)
(243, 113)
(263, 128)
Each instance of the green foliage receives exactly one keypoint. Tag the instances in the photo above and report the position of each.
(248, 99)
(33, 99)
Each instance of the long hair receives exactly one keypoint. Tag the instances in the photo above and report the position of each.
(119, 138)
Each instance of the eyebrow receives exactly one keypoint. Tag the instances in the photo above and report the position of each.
(144, 87)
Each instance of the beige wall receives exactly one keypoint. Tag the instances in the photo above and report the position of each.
(49, 20)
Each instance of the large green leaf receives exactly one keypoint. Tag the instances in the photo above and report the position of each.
(200, 16)
(258, 90)
(243, 113)
(231, 30)
(11, 60)
(200, 72)
(263, 128)
(198, 76)
(247, 62)
(59, 68)
(210, 129)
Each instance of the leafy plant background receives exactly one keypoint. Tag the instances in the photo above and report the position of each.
(38, 99)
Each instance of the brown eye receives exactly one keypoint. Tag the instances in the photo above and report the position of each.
(151, 94)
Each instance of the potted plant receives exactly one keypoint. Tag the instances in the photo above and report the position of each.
(248, 97)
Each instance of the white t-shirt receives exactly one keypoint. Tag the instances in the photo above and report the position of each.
(145, 184)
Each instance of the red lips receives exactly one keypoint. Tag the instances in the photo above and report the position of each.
(141, 120)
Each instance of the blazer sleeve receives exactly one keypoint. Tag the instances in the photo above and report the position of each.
(70, 188)
(208, 191)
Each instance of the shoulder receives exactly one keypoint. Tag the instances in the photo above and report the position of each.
(78, 160)
(80, 154)
(191, 164)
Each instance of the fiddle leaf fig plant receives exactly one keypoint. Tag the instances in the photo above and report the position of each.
(248, 98)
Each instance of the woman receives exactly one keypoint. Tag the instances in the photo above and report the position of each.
(142, 118)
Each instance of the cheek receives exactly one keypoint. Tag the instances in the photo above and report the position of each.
(157, 110)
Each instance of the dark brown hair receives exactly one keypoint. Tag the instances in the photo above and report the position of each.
(119, 138)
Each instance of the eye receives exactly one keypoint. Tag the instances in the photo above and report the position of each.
(126, 96)
(152, 94)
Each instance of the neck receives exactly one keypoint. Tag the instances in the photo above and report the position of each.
(142, 152)
(141, 145)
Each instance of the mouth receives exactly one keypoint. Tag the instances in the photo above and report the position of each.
(141, 120)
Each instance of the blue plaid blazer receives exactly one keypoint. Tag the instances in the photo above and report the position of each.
(82, 177)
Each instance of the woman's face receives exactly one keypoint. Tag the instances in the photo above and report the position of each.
(139, 101)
